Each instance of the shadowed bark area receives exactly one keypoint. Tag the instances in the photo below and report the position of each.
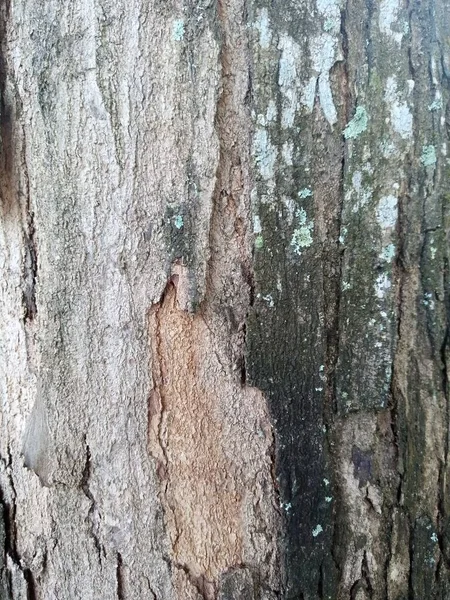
(224, 299)
(348, 332)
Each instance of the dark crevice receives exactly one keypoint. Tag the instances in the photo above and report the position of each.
(87, 492)
(273, 474)
(30, 262)
(389, 553)
(5, 581)
(332, 304)
(411, 595)
(397, 401)
(412, 69)
(399, 276)
(355, 589)
(204, 587)
(157, 400)
(153, 595)
(8, 192)
(441, 516)
(243, 365)
(31, 586)
(30, 271)
(369, 49)
(366, 575)
(230, 201)
(6, 118)
(119, 578)
(363, 584)
(9, 511)
(320, 583)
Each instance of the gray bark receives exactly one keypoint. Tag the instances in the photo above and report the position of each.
(224, 299)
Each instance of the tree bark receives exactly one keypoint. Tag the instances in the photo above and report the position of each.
(224, 299)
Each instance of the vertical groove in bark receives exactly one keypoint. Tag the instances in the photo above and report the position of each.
(4, 199)
(6, 141)
(119, 577)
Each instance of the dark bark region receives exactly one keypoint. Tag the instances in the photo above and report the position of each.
(348, 334)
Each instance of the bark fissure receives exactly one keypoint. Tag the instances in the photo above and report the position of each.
(30, 261)
(204, 587)
(6, 128)
(31, 584)
(119, 578)
(411, 594)
(9, 517)
(90, 516)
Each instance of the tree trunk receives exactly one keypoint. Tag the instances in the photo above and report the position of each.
(224, 300)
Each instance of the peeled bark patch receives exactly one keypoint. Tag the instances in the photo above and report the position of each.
(211, 439)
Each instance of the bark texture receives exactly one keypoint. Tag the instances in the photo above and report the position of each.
(224, 299)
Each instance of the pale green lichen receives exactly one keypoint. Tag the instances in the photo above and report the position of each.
(259, 242)
(388, 253)
(331, 24)
(305, 193)
(382, 286)
(357, 125)
(178, 30)
(343, 235)
(428, 157)
(387, 212)
(178, 221)
(328, 498)
(435, 105)
(428, 300)
(318, 529)
(269, 299)
(256, 224)
(302, 237)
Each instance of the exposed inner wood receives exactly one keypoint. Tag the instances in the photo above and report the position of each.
(211, 438)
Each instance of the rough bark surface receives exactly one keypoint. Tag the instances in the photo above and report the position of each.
(224, 299)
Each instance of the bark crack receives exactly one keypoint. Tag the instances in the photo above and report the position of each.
(206, 589)
(332, 272)
(157, 404)
(119, 578)
(87, 492)
(29, 269)
(9, 511)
